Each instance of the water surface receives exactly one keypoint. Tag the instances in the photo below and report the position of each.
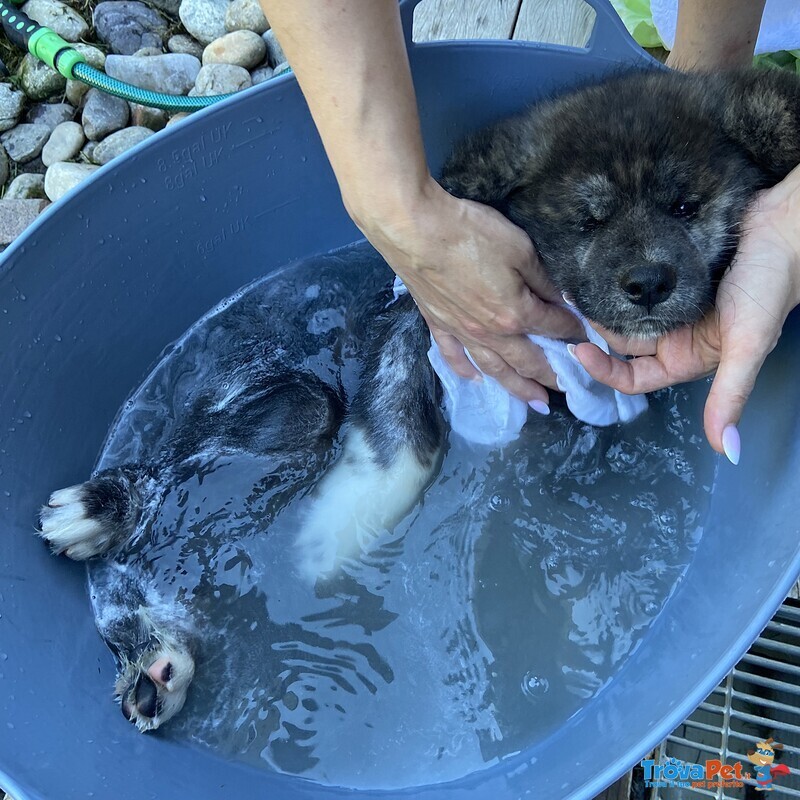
(506, 600)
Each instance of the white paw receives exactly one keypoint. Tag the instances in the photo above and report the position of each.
(67, 528)
(153, 690)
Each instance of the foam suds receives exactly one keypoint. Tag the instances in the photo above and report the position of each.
(495, 610)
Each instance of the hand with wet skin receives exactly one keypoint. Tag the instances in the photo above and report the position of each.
(754, 298)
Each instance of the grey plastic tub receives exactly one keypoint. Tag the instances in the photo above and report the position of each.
(114, 272)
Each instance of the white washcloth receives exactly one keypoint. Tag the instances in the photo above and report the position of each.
(483, 412)
(780, 24)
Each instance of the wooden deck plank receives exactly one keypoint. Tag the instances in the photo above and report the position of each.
(465, 19)
(567, 22)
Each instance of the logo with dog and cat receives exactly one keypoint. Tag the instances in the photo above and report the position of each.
(715, 773)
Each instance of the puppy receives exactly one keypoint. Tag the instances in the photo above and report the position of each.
(633, 192)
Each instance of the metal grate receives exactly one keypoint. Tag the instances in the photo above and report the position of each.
(760, 698)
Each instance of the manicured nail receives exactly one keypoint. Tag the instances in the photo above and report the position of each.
(540, 407)
(571, 351)
(732, 444)
(567, 299)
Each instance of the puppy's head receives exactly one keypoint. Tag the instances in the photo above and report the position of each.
(630, 191)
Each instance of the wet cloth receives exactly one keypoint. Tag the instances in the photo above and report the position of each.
(483, 412)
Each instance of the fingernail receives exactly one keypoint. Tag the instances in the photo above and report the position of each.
(567, 299)
(571, 351)
(732, 444)
(540, 407)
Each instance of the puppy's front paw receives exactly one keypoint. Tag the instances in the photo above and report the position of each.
(153, 689)
(67, 525)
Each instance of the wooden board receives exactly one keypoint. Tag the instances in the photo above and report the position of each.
(465, 19)
(567, 22)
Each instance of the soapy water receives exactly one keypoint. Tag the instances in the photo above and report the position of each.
(507, 599)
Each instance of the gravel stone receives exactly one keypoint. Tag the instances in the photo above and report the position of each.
(36, 166)
(173, 73)
(65, 21)
(128, 25)
(220, 79)
(168, 6)
(145, 117)
(51, 114)
(24, 142)
(38, 81)
(181, 43)
(241, 48)
(26, 186)
(62, 176)
(75, 92)
(246, 15)
(204, 19)
(103, 114)
(4, 166)
(117, 143)
(275, 53)
(11, 105)
(16, 215)
(261, 74)
(94, 56)
(177, 117)
(87, 153)
(149, 51)
(64, 144)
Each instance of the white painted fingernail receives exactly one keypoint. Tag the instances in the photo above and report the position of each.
(732, 444)
(568, 299)
(540, 407)
(571, 351)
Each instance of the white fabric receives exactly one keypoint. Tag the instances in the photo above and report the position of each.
(483, 412)
(780, 24)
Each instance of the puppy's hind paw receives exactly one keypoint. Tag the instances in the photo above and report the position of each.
(66, 524)
(153, 689)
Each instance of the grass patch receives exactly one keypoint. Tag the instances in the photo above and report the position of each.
(11, 56)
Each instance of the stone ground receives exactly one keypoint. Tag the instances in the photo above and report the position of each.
(55, 132)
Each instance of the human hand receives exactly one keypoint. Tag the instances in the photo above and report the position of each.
(753, 300)
(479, 285)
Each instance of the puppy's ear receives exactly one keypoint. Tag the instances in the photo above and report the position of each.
(761, 113)
(490, 164)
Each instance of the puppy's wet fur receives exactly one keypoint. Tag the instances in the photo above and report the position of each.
(633, 192)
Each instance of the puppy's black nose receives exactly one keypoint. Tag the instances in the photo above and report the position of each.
(649, 285)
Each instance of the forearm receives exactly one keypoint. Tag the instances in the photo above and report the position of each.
(716, 34)
(350, 59)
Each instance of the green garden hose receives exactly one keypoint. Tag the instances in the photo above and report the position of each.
(170, 102)
(59, 54)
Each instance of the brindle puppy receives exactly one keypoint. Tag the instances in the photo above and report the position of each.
(633, 192)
